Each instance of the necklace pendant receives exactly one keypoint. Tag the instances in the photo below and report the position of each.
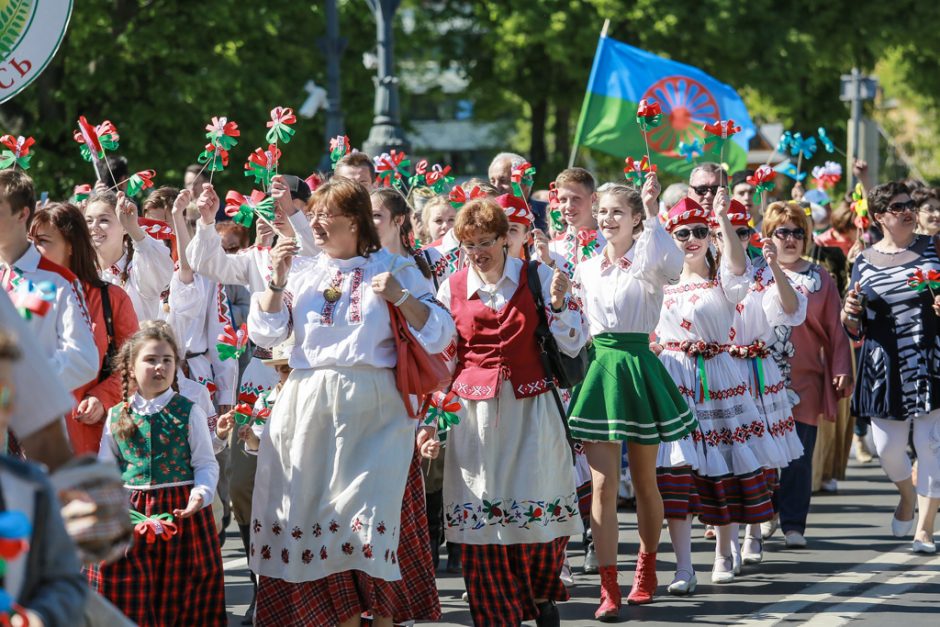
(331, 294)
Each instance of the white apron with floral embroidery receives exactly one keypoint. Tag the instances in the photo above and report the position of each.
(508, 475)
(331, 476)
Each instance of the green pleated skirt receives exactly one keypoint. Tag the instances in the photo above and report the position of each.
(628, 395)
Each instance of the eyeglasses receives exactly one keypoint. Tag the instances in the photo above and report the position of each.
(701, 190)
(743, 234)
(797, 234)
(903, 207)
(325, 216)
(472, 248)
(699, 232)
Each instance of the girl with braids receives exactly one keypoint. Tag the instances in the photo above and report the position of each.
(719, 468)
(61, 236)
(127, 256)
(392, 222)
(163, 448)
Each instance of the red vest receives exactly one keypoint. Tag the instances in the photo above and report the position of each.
(493, 346)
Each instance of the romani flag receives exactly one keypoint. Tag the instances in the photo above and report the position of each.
(623, 75)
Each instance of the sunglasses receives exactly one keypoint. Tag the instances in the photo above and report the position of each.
(701, 190)
(699, 232)
(743, 234)
(903, 207)
(797, 234)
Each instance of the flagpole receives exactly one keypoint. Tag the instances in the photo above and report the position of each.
(577, 136)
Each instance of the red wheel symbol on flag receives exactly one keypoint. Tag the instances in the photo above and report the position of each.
(686, 105)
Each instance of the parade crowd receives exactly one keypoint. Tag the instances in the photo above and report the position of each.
(717, 350)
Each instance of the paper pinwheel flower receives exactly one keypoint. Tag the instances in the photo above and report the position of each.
(826, 141)
(786, 140)
(859, 207)
(232, 343)
(762, 179)
(281, 120)
(921, 280)
(458, 197)
(788, 169)
(828, 175)
(522, 175)
(442, 411)
(242, 210)
(17, 152)
(554, 213)
(587, 240)
(262, 164)
(222, 132)
(635, 171)
(421, 171)
(438, 178)
(649, 115)
(33, 299)
(80, 192)
(215, 158)
(339, 148)
(96, 139)
(157, 229)
(691, 151)
(152, 527)
(140, 181)
(722, 129)
(245, 414)
(391, 167)
(15, 531)
(805, 146)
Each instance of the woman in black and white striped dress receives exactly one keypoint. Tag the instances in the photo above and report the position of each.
(896, 314)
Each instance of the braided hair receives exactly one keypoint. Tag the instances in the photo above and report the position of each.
(110, 199)
(398, 208)
(157, 331)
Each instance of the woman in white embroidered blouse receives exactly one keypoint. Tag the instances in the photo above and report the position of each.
(332, 464)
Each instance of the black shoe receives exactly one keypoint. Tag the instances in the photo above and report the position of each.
(548, 615)
(435, 554)
(453, 558)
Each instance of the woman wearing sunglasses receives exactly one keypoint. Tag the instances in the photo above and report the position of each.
(813, 357)
(771, 302)
(723, 477)
(899, 362)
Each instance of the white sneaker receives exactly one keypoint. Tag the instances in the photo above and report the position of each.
(830, 485)
(769, 528)
(794, 540)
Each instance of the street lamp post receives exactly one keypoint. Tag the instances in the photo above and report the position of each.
(332, 46)
(386, 132)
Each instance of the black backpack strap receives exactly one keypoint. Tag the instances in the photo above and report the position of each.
(542, 332)
(105, 371)
(427, 257)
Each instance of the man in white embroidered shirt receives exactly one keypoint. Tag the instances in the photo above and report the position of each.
(49, 296)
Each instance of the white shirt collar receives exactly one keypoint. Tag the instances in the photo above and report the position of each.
(29, 262)
(511, 272)
(144, 406)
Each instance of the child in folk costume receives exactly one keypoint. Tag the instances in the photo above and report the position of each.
(327, 511)
(771, 302)
(731, 447)
(128, 256)
(509, 489)
(627, 396)
(163, 447)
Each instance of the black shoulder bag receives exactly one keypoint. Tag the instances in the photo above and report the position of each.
(567, 371)
(106, 367)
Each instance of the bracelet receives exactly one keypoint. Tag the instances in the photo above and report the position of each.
(401, 301)
(277, 289)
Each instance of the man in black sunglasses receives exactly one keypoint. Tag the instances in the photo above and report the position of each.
(704, 182)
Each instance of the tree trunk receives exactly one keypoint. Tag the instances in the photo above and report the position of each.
(537, 148)
(562, 134)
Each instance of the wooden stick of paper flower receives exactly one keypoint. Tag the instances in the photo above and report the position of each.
(16, 153)
(649, 115)
(783, 146)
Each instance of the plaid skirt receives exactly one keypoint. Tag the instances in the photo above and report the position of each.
(170, 582)
(718, 501)
(341, 596)
(503, 580)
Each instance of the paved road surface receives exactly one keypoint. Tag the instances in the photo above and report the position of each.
(852, 570)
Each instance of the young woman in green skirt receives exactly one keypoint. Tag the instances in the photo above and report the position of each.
(627, 394)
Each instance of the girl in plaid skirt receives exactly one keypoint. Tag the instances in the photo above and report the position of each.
(173, 573)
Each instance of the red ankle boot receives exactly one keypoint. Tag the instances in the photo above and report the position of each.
(609, 609)
(644, 581)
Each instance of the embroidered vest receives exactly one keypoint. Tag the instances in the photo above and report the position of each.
(158, 451)
(493, 346)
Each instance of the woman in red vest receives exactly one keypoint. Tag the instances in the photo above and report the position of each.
(61, 235)
(509, 487)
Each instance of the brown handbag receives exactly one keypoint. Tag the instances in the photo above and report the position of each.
(418, 372)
